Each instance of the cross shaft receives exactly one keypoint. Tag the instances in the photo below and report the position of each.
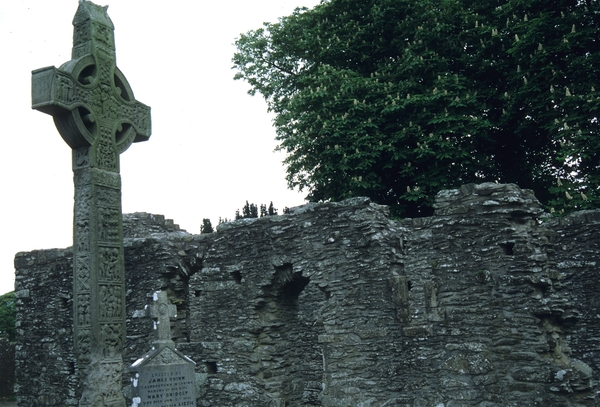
(98, 117)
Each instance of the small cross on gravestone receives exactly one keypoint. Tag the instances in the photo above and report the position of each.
(97, 115)
(163, 311)
(163, 377)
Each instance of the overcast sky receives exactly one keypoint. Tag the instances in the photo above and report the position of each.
(212, 145)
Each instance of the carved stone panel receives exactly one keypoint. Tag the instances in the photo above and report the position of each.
(110, 302)
(82, 274)
(109, 225)
(108, 197)
(109, 267)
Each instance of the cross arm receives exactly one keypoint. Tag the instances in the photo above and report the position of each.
(45, 86)
(55, 92)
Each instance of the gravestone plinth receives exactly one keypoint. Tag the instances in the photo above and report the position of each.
(163, 377)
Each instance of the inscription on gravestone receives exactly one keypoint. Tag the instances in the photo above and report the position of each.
(97, 115)
(164, 377)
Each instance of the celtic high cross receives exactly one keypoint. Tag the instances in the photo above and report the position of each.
(97, 115)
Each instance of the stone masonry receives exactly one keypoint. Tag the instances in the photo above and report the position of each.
(487, 303)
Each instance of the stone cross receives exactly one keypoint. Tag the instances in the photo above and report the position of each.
(97, 115)
(163, 310)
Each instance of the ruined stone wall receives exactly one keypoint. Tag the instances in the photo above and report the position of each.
(337, 305)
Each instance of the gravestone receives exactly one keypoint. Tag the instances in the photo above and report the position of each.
(97, 115)
(163, 377)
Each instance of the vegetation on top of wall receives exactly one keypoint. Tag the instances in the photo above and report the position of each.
(206, 226)
(252, 211)
(249, 210)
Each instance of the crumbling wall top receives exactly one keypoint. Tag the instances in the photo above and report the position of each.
(488, 199)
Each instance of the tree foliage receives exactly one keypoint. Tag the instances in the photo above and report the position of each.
(270, 211)
(248, 211)
(397, 99)
(206, 226)
(252, 211)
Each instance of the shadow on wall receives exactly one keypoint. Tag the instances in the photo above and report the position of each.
(7, 368)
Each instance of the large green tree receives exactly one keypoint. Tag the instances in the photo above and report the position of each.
(397, 99)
